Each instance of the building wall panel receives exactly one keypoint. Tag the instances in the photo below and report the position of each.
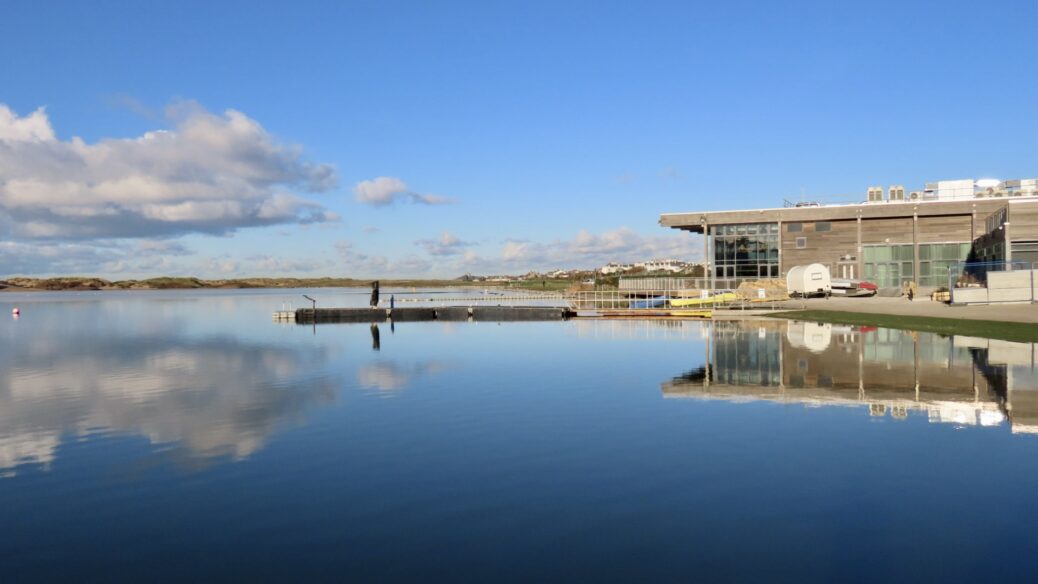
(878, 231)
(823, 247)
(948, 229)
(1023, 221)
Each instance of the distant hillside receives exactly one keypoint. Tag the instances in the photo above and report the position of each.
(170, 283)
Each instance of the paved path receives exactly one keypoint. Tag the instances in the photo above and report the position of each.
(901, 306)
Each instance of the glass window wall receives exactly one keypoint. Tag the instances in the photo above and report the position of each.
(935, 259)
(889, 265)
(892, 265)
(746, 251)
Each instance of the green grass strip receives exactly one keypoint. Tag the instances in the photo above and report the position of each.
(989, 329)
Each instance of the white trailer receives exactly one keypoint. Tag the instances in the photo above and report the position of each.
(809, 280)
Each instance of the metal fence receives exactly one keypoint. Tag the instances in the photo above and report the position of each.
(663, 283)
(992, 282)
(670, 284)
(612, 301)
(664, 300)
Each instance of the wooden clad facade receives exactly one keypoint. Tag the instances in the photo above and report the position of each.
(824, 247)
(945, 229)
(1022, 231)
(840, 236)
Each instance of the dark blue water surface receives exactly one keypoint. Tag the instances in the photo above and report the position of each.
(186, 436)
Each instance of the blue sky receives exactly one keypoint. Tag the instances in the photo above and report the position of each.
(543, 134)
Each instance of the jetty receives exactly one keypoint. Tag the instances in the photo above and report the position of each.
(614, 304)
(419, 314)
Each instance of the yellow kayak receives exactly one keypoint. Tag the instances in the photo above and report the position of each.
(716, 299)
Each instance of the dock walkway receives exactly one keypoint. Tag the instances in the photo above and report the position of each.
(417, 314)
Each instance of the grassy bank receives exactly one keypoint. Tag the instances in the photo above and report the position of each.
(990, 329)
(547, 284)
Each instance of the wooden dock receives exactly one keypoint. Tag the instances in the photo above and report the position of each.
(419, 314)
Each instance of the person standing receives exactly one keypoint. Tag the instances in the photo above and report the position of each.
(374, 294)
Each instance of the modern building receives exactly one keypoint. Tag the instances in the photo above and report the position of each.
(890, 240)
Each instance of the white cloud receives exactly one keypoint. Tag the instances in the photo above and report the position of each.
(268, 265)
(210, 173)
(386, 190)
(452, 256)
(447, 244)
(589, 250)
(51, 258)
(34, 127)
(357, 264)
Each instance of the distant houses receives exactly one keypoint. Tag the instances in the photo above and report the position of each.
(656, 266)
(665, 265)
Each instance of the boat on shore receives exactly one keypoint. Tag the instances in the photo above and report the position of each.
(851, 287)
(719, 298)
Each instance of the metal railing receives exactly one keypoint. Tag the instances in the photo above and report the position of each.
(644, 301)
(492, 298)
(663, 283)
(679, 283)
(615, 301)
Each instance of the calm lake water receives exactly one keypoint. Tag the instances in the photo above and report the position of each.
(185, 436)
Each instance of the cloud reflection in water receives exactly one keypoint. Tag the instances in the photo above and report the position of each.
(204, 399)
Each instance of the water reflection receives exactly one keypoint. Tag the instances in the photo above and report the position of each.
(390, 376)
(376, 343)
(639, 329)
(204, 399)
(961, 380)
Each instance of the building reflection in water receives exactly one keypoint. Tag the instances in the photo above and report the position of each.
(956, 379)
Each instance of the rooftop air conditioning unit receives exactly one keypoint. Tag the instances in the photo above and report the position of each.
(875, 194)
(897, 193)
(915, 195)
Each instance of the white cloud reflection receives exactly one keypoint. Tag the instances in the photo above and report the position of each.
(209, 399)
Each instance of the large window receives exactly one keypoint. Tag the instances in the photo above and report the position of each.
(892, 265)
(889, 265)
(936, 258)
(746, 251)
(1025, 251)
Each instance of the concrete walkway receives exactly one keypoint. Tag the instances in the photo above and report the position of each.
(901, 306)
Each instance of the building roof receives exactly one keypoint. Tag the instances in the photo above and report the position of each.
(694, 221)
